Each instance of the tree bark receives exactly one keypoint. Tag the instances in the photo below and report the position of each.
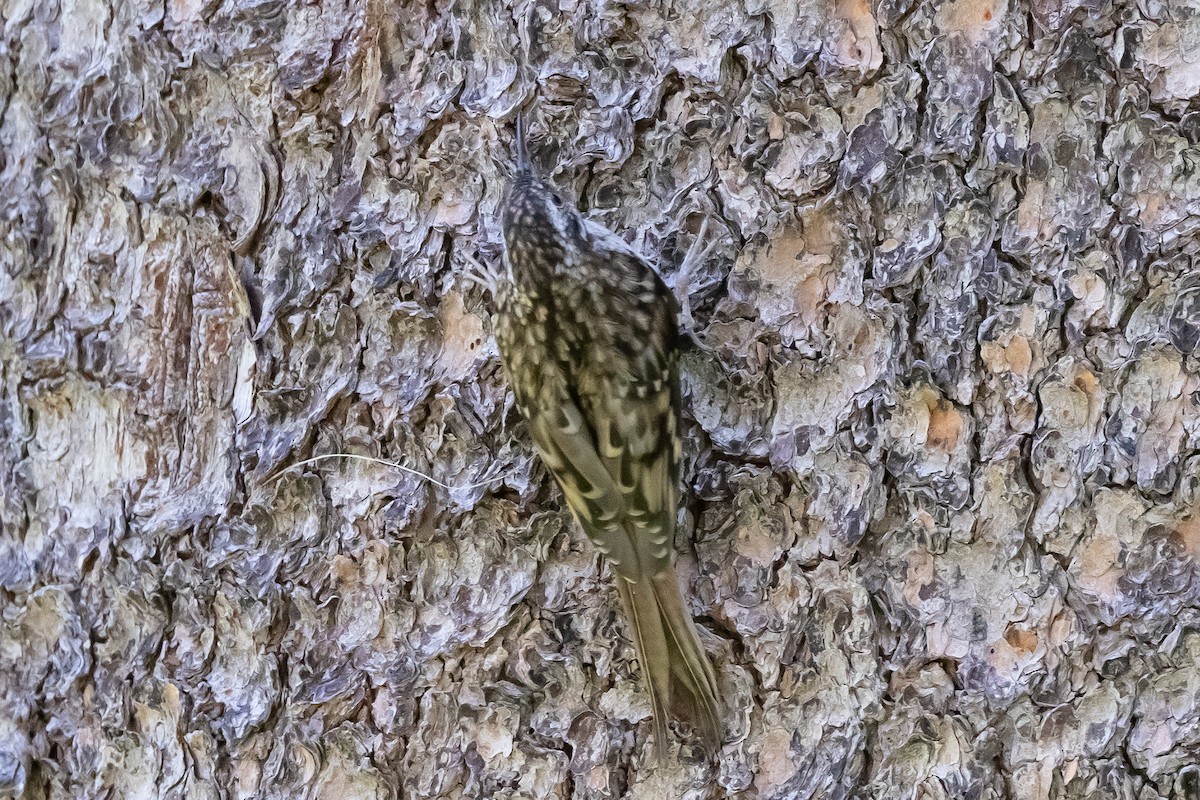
(942, 516)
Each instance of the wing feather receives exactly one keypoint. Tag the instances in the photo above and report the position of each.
(565, 443)
(633, 407)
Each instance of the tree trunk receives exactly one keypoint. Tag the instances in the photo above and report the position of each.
(942, 515)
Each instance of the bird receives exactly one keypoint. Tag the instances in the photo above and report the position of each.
(588, 334)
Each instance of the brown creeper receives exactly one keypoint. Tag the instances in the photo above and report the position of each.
(588, 333)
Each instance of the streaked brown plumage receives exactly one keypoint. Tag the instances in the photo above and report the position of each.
(589, 337)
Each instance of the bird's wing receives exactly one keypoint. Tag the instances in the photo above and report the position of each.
(637, 440)
(633, 407)
(567, 446)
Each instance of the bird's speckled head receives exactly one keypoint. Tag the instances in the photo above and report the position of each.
(536, 217)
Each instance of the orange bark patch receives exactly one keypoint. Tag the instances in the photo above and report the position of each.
(1015, 357)
(1187, 534)
(972, 18)
(1085, 381)
(1021, 640)
(1099, 568)
(462, 336)
(945, 426)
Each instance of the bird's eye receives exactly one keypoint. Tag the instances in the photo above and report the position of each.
(558, 201)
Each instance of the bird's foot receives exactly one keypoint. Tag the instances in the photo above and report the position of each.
(699, 251)
(480, 275)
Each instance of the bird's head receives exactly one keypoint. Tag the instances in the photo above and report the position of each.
(534, 212)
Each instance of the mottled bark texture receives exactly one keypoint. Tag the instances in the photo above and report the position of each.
(942, 526)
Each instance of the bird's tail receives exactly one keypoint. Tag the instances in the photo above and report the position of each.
(678, 675)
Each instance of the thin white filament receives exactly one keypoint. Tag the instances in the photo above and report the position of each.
(385, 463)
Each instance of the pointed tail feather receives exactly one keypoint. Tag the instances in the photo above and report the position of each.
(649, 639)
(693, 678)
(675, 668)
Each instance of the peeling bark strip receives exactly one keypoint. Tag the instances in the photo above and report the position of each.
(942, 522)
